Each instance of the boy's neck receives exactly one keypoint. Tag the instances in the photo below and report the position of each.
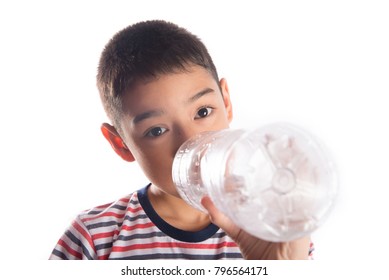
(176, 212)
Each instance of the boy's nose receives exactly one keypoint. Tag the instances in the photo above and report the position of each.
(184, 134)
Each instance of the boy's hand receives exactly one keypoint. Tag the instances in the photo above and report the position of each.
(254, 248)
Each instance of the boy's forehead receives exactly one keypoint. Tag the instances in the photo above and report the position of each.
(186, 69)
(181, 85)
(185, 80)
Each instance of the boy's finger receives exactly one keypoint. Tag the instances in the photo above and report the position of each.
(218, 218)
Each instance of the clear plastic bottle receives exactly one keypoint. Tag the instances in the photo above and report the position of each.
(276, 181)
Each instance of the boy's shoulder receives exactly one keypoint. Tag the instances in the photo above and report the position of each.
(113, 212)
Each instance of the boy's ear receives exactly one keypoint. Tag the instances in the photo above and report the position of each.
(116, 142)
(226, 98)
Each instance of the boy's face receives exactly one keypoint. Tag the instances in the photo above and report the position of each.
(163, 113)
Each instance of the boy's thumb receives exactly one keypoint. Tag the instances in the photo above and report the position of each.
(218, 218)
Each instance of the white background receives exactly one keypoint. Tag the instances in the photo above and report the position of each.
(323, 65)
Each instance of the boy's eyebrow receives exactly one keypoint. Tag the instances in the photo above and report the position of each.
(200, 94)
(155, 113)
(146, 115)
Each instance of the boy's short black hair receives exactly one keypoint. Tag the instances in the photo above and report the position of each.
(142, 51)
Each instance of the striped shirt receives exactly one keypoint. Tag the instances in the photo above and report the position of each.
(131, 229)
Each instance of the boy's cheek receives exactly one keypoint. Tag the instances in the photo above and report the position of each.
(159, 173)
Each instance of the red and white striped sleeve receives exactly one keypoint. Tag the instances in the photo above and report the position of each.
(75, 244)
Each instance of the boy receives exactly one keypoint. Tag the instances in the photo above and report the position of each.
(159, 87)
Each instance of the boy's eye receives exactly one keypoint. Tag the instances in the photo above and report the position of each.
(203, 112)
(156, 131)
